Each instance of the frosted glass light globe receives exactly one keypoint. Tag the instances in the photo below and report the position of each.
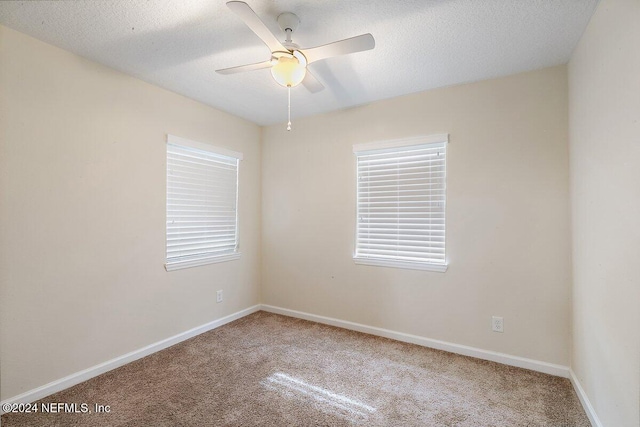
(289, 69)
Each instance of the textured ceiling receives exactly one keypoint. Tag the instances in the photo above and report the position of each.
(420, 44)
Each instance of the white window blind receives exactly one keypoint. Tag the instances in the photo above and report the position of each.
(401, 195)
(202, 199)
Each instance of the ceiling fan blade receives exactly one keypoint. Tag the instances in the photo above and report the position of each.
(311, 83)
(250, 18)
(242, 68)
(343, 47)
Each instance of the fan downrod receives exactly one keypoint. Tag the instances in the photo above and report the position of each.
(288, 23)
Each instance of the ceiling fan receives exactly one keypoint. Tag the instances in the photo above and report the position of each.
(288, 61)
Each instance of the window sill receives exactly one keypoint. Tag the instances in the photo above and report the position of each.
(179, 265)
(441, 268)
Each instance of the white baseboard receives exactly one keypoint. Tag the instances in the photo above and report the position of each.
(506, 359)
(584, 400)
(94, 371)
(520, 362)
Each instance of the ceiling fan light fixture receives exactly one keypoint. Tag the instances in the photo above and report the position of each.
(288, 69)
(288, 62)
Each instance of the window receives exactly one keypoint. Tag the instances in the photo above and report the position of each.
(202, 200)
(401, 203)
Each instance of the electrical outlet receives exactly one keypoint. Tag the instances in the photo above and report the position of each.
(497, 324)
(219, 296)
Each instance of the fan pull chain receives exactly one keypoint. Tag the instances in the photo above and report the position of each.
(289, 94)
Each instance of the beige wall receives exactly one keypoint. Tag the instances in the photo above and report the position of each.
(604, 106)
(508, 240)
(82, 203)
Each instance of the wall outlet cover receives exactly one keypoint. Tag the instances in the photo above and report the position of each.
(497, 324)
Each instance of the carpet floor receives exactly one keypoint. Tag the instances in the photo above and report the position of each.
(271, 370)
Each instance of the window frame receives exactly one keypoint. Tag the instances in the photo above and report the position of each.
(220, 151)
(399, 144)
